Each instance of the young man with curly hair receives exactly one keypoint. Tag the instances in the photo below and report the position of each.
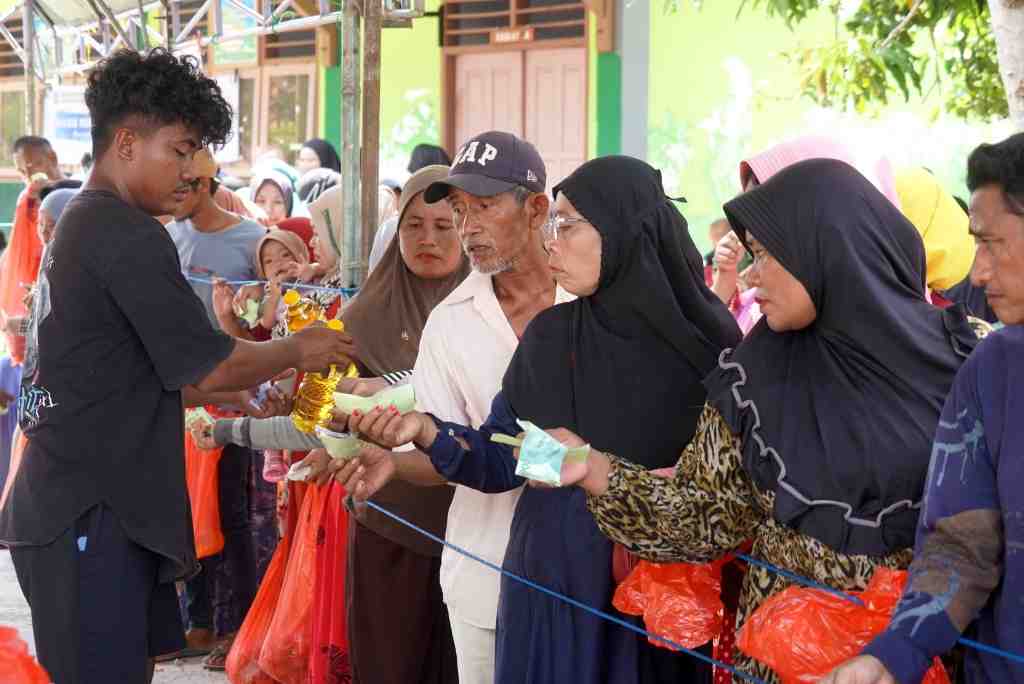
(97, 516)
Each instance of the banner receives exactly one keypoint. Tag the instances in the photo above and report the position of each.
(67, 124)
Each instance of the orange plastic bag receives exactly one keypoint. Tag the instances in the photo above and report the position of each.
(286, 651)
(803, 634)
(243, 660)
(20, 269)
(17, 666)
(201, 478)
(679, 601)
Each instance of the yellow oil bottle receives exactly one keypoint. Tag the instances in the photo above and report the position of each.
(315, 399)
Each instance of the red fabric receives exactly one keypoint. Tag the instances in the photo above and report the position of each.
(330, 657)
(20, 269)
(940, 301)
(302, 227)
(709, 275)
(724, 645)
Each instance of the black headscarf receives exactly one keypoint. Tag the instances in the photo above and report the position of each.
(427, 155)
(329, 158)
(623, 367)
(838, 418)
(315, 182)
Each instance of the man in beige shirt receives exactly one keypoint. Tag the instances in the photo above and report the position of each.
(496, 191)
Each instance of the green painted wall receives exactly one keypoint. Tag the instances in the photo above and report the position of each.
(330, 105)
(410, 96)
(720, 91)
(410, 93)
(607, 86)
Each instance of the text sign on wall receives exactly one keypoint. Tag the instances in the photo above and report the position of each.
(512, 35)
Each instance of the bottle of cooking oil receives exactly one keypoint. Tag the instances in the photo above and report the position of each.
(302, 311)
(315, 399)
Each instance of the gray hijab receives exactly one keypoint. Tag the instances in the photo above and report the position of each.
(54, 203)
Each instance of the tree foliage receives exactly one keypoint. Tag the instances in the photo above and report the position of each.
(886, 48)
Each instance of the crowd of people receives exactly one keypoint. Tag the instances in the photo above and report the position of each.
(830, 390)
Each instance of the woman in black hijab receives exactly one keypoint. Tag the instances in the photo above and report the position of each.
(427, 155)
(817, 435)
(317, 153)
(631, 350)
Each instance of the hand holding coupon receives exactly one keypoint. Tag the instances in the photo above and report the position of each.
(556, 458)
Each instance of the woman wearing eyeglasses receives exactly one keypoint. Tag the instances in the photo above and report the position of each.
(632, 350)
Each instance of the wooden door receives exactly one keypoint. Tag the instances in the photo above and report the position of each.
(488, 94)
(556, 108)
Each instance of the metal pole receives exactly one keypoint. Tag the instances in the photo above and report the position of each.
(303, 24)
(102, 12)
(28, 37)
(372, 18)
(350, 143)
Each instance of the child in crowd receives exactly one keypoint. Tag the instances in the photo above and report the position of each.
(282, 256)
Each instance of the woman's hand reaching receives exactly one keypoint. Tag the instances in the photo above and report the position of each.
(388, 428)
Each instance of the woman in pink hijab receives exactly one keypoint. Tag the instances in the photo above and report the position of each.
(757, 170)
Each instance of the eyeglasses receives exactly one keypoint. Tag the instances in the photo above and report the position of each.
(557, 224)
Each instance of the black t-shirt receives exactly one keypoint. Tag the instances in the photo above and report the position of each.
(119, 332)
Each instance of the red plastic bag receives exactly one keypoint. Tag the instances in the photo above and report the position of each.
(286, 651)
(679, 601)
(17, 666)
(330, 652)
(201, 478)
(19, 269)
(243, 660)
(803, 634)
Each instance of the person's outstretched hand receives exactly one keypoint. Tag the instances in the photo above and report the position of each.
(362, 387)
(386, 427)
(318, 462)
(367, 473)
(573, 471)
(274, 403)
(863, 669)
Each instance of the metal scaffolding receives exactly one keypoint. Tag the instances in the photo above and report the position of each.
(83, 32)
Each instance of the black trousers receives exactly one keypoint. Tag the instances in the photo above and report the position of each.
(98, 612)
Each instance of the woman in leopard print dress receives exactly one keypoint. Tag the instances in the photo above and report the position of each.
(816, 437)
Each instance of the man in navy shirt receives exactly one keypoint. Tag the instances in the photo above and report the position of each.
(967, 577)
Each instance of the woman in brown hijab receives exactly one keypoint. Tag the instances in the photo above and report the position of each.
(398, 626)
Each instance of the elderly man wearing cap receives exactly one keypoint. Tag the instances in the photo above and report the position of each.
(215, 243)
(496, 193)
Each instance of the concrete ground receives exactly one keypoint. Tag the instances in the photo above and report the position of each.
(14, 613)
